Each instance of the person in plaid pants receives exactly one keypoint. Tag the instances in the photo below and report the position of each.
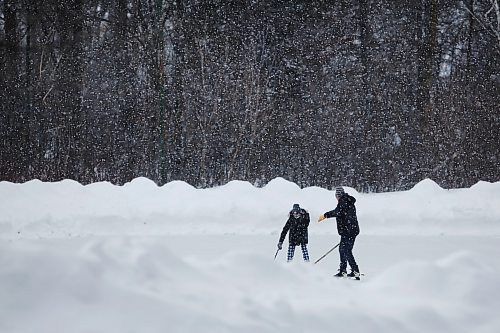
(296, 227)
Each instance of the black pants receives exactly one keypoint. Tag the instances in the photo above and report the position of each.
(345, 249)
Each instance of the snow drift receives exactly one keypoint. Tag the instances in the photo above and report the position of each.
(140, 207)
(140, 258)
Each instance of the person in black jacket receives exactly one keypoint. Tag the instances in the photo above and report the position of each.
(296, 225)
(348, 229)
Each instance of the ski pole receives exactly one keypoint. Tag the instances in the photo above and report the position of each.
(276, 253)
(324, 255)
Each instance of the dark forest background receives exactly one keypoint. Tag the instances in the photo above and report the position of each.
(374, 94)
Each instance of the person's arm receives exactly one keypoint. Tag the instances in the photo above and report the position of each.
(284, 232)
(333, 213)
(338, 211)
(307, 219)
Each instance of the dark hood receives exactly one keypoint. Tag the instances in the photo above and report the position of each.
(347, 198)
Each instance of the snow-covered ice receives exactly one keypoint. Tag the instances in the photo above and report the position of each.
(143, 258)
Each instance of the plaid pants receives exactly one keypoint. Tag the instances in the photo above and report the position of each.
(291, 251)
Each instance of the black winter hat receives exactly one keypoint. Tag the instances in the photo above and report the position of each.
(339, 190)
(296, 207)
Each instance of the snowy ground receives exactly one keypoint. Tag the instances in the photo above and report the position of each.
(141, 258)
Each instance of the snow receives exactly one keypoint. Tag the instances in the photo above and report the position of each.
(143, 258)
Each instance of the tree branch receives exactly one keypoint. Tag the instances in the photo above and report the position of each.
(491, 30)
(97, 18)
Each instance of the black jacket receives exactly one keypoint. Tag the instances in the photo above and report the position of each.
(297, 228)
(345, 212)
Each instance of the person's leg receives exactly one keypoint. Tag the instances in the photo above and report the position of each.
(291, 251)
(343, 254)
(305, 254)
(349, 255)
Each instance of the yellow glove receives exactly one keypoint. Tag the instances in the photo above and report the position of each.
(321, 218)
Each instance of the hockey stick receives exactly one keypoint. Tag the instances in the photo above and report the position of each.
(324, 255)
(278, 250)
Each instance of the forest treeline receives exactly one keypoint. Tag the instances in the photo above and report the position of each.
(374, 94)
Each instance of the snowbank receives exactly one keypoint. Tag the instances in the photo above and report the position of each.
(140, 258)
(140, 207)
(140, 285)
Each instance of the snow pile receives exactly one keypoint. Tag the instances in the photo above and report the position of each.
(118, 284)
(140, 207)
(140, 258)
